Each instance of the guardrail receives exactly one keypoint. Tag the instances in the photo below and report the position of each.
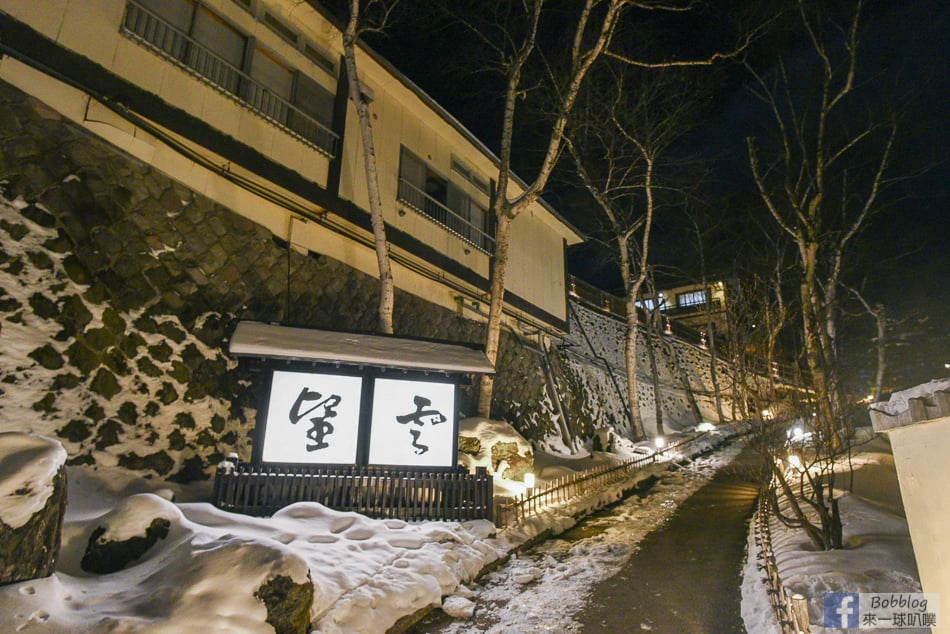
(568, 487)
(791, 611)
(421, 202)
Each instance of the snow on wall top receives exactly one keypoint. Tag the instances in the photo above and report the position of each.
(256, 339)
(28, 467)
(898, 400)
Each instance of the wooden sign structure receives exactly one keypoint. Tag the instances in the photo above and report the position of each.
(357, 422)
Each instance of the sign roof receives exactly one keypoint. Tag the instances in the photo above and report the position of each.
(257, 339)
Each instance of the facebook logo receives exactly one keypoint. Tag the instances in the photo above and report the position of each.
(841, 609)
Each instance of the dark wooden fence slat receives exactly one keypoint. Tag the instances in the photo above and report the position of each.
(377, 492)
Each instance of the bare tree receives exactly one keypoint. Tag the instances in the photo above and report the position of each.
(878, 313)
(355, 26)
(512, 39)
(820, 188)
(710, 326)
(616, 141)
(592, 34)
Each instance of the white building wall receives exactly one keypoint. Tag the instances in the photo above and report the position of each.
(920, 455)
(401, 116)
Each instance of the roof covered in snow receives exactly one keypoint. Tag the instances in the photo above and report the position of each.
(256, 339)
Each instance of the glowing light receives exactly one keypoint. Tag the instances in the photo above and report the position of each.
(795, 461)
(705, 427)
(285, 441)
(660, 442)
(797, 433)
(529, 480)
(392, 442)
(767, 414)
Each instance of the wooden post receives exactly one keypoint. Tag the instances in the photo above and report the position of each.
(917, 408)
(942, 399)
(800, 613)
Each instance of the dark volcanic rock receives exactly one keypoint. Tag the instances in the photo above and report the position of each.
(29, 550)
(288, 604)
(103, 557)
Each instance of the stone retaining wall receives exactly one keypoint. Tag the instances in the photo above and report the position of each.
(119, 289)
(128, 286)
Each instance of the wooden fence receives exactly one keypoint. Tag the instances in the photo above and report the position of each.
(375, 492)
(791, 611)
(567, 487)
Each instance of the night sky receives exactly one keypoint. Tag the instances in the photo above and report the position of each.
(902, 258)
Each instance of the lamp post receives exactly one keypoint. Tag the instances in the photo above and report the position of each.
(529, 482)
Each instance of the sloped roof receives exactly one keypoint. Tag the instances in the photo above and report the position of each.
(257, 339)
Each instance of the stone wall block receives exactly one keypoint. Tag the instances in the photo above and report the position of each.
(30, 551)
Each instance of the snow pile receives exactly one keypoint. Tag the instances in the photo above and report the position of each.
(28, 467)
(489, 433)
(897, 403)
(757, 612)
(878, 555)
(366, 573)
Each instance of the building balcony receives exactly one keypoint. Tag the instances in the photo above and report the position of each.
(420, 202)
(152, 32)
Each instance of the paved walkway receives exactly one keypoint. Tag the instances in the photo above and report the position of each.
(686, 576)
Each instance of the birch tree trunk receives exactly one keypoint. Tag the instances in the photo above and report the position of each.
(586, 48)
(631, 341)
(387, 294)
(589, 31)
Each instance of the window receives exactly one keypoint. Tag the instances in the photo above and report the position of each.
(692, 298)
(429, 193)
(461, 168)
(426, 183)
(198, 38)
(280, 28)
(288, 96)
(470, 175)
(470, 211)
(319, 58)
(276, 85)
(193, 35)
(313, 100)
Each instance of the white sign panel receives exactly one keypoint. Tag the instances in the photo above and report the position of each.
(413, 424)
(312, 418)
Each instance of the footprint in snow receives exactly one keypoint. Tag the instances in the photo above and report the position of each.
(340, 524)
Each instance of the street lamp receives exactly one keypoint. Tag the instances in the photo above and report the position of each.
(529, 482)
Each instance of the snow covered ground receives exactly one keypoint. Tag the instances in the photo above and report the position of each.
(543, 590)
(367, 573)
(878, 555)
(370, 573)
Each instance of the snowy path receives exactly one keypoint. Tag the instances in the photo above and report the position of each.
(686, 576)
(548, 588)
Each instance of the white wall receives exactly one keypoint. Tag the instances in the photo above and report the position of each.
(400, 117)
(920, 455)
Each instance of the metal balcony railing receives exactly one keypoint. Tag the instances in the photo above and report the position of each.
(153, 32)
(419, 201)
